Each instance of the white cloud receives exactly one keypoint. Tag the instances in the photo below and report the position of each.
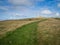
(23, 2)
(58, 5)
(20, 2)
(3, 8)
(57, 14)
(46, 12)
(17, 14)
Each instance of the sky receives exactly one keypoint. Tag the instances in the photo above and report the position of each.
(19, 9)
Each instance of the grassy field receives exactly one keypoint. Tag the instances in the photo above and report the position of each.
(11, 25)
(26, 35)
(49, 32)
(43, 32)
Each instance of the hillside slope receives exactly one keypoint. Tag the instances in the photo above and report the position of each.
(26, 35)
(41, 32)
(49, 32)
(10, 25)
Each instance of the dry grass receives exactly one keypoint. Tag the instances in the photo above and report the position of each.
(10, 25)
(26, 35)
(49, 32)
(6, 26)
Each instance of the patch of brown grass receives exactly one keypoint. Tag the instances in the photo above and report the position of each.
(11, 25)
(49, 32)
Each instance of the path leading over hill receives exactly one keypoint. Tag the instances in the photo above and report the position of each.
(11, 25)
(43, 32)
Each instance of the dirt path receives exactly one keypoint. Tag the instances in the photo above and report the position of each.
(49, 32)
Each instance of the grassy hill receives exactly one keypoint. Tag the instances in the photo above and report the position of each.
(10, 25)
(25, 35)
(49, 32)
(35, 32)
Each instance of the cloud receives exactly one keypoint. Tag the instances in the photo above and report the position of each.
(20, 2)
(24, 2)
(3, 8)
(46, 12)
(58, 4)
(57, 14)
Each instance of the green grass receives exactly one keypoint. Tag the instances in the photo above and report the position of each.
(26, 35)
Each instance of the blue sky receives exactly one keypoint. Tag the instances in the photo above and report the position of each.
(18, 9)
